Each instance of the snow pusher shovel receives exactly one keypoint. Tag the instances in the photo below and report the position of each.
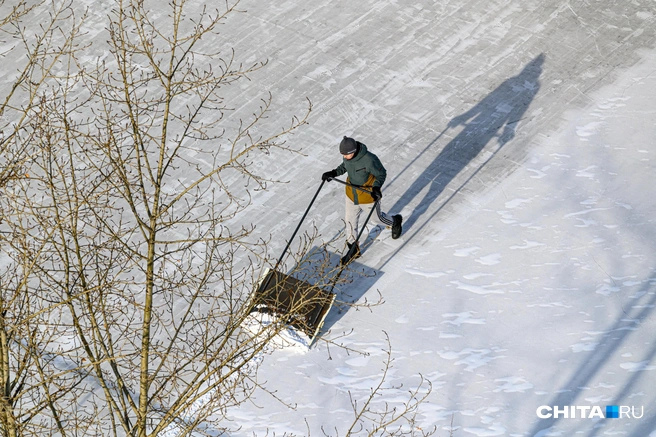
(294, 302)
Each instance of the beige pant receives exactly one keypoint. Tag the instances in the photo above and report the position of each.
(352, 217)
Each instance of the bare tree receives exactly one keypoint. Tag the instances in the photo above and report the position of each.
(133, 265)
(144, 184)
(36, 378)
(34, 52)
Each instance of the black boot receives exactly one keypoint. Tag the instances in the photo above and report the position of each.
(397, 228)
(352, 253)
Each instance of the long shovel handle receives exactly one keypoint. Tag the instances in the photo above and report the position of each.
(275, 269)
(298, 227)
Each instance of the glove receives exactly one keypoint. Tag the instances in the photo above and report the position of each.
(327, 176)
(376, 194)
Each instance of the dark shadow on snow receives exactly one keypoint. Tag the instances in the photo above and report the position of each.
(497, 115)
(358, 280)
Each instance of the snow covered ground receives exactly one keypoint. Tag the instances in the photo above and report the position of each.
(519, 141)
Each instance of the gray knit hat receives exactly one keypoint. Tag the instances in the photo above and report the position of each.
(348, 146)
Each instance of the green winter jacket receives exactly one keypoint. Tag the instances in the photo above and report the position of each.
(364, 169)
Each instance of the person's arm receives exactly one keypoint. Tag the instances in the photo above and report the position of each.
(329, 175)
(340, 170)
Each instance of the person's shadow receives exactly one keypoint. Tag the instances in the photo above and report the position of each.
(497, 115)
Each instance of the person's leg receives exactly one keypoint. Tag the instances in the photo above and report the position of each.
(379, 215)
(383, 217)
(351, 217)
(394, 221)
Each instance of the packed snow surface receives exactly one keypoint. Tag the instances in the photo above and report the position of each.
(519, 140)
(520, 144)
